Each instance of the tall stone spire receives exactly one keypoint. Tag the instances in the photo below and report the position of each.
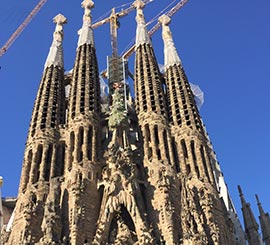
(152, 117)
(49, 106)
(251, 226)
(265, 223)
(83, 137)
(43, 163)
(194, 161)
(85, 87)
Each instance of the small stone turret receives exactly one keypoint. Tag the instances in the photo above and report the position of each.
(251, 226)
(265, 223)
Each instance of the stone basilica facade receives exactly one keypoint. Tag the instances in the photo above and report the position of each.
(117, 170)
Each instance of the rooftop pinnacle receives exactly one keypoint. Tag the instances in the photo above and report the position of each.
(170, 53)
(86, 32)
(87, 5)
(55, 56)
(142, 35)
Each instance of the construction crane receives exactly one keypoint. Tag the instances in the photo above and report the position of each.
(117, 70)
(170, 13)
(114, 23)
(20, 29)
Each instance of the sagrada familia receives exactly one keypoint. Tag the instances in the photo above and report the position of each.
(121, 170)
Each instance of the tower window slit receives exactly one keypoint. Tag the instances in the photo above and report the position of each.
(204, 163)
(38, 159)
(175, 155)
(184, 148)
(165, 140)
(72, 146)
(80, 143)
(192, 146)
(61, 159)
(147, 140)
(89, 143)
(48, 163)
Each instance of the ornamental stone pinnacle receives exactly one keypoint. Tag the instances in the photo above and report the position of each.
(55, 56)
(171, 56)
(59, 20)
(87, 5)
(138, 4)
(86, 35)
(142, 35)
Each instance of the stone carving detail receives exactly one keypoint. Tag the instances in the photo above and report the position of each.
(116, 176)
(121, 192)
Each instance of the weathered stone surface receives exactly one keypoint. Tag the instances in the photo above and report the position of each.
(145, 175)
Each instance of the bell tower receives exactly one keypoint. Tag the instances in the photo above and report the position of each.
(202, 210)
(43, 166)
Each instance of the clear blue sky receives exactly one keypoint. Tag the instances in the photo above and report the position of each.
(225, 49)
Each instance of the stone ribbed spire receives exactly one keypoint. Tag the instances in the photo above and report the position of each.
(83, 140)
(49, 105)
(85, 86)
(86, 32)
(142, 35)
(171, 56)
(43, 162)
(152, 117)
(265, 223)
(55, 56)
(251, 226)
(192, 154)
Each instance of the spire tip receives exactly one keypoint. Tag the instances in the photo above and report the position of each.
(87, 4)
(138, 4)
(164, 20)
(257, 198)
(60, 19)
(240, 190)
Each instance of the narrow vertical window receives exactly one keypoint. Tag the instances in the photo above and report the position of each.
(38, 159)
(80, 143)
(192, 145)
(89, 143)
(48, 162)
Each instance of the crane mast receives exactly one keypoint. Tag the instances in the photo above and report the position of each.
(20, 29)
(117, 70)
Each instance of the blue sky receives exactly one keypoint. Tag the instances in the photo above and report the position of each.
(225, 49)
